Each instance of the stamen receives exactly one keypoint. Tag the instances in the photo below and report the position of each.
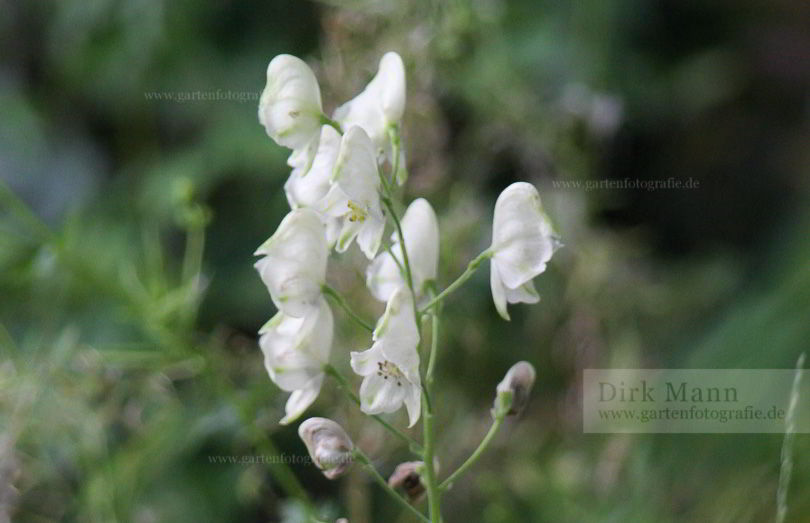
(356, 213)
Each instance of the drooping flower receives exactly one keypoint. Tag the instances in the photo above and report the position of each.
(293, 266)
(421, 231)
(380, 105)
(328, 444)
(354, 198)
(512, 393)
(295, 352)
(290, 108)
(408, 477)
(522, 243)
(391, 366)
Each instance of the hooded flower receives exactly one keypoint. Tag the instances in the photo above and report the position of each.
(353, 197)
(381, 103)
(293, 266)
(408, 477)
(290, 108)
(391, 366)
(522, 243)
(295, 352)
(512, 393)
(328, 444)
(421, 231)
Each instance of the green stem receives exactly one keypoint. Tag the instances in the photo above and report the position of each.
(390, 251)
(393, 135)
(341, 302)
(471, 268)
(415, 447)
(496, 424)
(431, 482)
(434, 344)
(325, 120)
(362, 458)
(408, 274)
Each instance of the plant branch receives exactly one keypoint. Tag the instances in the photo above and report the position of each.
(362, 458)
(496, 424)
(471, 268)
(341, 302)
(415, 447)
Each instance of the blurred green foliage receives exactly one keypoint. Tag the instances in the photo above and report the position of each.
(129, 306)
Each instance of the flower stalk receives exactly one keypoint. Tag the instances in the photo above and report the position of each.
(413, 446)
(341, 302)
(482, 447)
(366, 462)
(468, 272)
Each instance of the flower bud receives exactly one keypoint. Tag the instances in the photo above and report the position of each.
(513, 391)
(407, 476)
(328, 444)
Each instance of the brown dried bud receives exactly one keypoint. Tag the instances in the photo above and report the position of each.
(407, 476)
(328, 444)
(514, 390)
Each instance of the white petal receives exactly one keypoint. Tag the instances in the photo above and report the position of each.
(378, 394)
(391, 77)
(301, 158)
(413, 402)
(356, 168)
(296, 349)
(300, 400)
(383, 276)
(522, 236)
(369, 236)
(421, 230)
(305, 188)
(398, 335)
(380, 104)
(348, 233)
(294, 264)
(526, 293)
(290, 105)
(365, 363)
(498, 290)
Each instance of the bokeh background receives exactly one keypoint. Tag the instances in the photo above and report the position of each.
(130, 207)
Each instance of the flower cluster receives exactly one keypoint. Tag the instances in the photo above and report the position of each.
(345, 171)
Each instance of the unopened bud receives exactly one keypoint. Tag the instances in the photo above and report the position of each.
(328, 444)
(407, 476)
(513, 391)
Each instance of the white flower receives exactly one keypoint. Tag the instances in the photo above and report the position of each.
(421, 231)
(391, 366)
(354, 198)
(522, 243)
(328, 444)
(306, 187)
(380, 105)
(294, 264)
(295, 352)
(290, 107)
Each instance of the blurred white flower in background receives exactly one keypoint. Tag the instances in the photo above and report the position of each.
(523, 241)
